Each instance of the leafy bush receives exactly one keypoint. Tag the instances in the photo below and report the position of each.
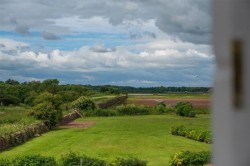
(83, 103)
(185, 109)
(33, 160)
(187, 158)
(72, 159)
(47, 112)
(197, 135)
(160, 108)
(131, 109)
(129, 162)
(4, 162)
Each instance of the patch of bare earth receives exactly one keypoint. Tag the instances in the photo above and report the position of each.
(79, 124)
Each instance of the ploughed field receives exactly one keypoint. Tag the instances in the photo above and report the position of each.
(197, 100)
(145, 137)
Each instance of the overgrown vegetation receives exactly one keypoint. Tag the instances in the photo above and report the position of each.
(83, 104)
(197, 135)
(187, 158)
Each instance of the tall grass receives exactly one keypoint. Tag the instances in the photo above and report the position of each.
(13, 119)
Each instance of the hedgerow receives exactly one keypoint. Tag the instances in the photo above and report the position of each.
(187, 158)
(197, 135)
(69, 159)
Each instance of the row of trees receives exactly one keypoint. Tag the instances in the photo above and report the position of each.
(14, 92)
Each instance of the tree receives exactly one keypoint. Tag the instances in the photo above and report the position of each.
(56, 100)
(83, 103)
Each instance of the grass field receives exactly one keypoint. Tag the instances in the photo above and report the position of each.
(144, 137)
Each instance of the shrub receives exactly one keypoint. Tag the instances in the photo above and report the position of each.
(33, 160)
(83, 103)
(131, 109)
(129, 162)
(160, 108)
(197, 135)
(4, 162)
(72, 159)
(187, 158)
(185, 109)
(47, 112)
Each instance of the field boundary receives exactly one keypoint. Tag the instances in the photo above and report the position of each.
(112, 102)
(35, 130)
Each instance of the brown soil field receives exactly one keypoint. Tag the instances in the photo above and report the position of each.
(197, 103)
(79, 124)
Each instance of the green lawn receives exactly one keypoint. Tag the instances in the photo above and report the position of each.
(144, 137)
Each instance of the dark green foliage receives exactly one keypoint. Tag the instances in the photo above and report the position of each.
(187, 158)
(107, 89)
(129, 162)
(73, 159)
(197, 135)
(56, 100)
(4, 162)
(185, 109)
(33, 160)
(47, 112)
(101, 113)
(83, 103)
(132, 109)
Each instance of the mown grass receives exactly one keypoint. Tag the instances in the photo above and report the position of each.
(146, 137)
(14, 118)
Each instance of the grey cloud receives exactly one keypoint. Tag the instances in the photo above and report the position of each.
(190, 17)
(50, 36)
(101, 49)
(22, 29)
(2, 45)
(146, 34)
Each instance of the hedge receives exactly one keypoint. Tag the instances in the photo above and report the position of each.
(187, 158)
(69, 159)
(197, 135)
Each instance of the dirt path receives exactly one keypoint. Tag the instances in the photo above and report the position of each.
(79, 124)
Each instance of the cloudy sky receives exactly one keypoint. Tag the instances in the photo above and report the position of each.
(118, 42)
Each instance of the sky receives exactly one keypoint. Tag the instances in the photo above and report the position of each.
(140, 43)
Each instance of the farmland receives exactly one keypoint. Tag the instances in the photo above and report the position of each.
(140, 127)
(145, 137)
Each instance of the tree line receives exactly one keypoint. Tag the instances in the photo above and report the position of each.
(14, 92)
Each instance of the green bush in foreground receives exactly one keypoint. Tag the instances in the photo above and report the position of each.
(33, 160)
(4, 162)
(129, 162)
(197, 135)
(187, 158)
(73, 159)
